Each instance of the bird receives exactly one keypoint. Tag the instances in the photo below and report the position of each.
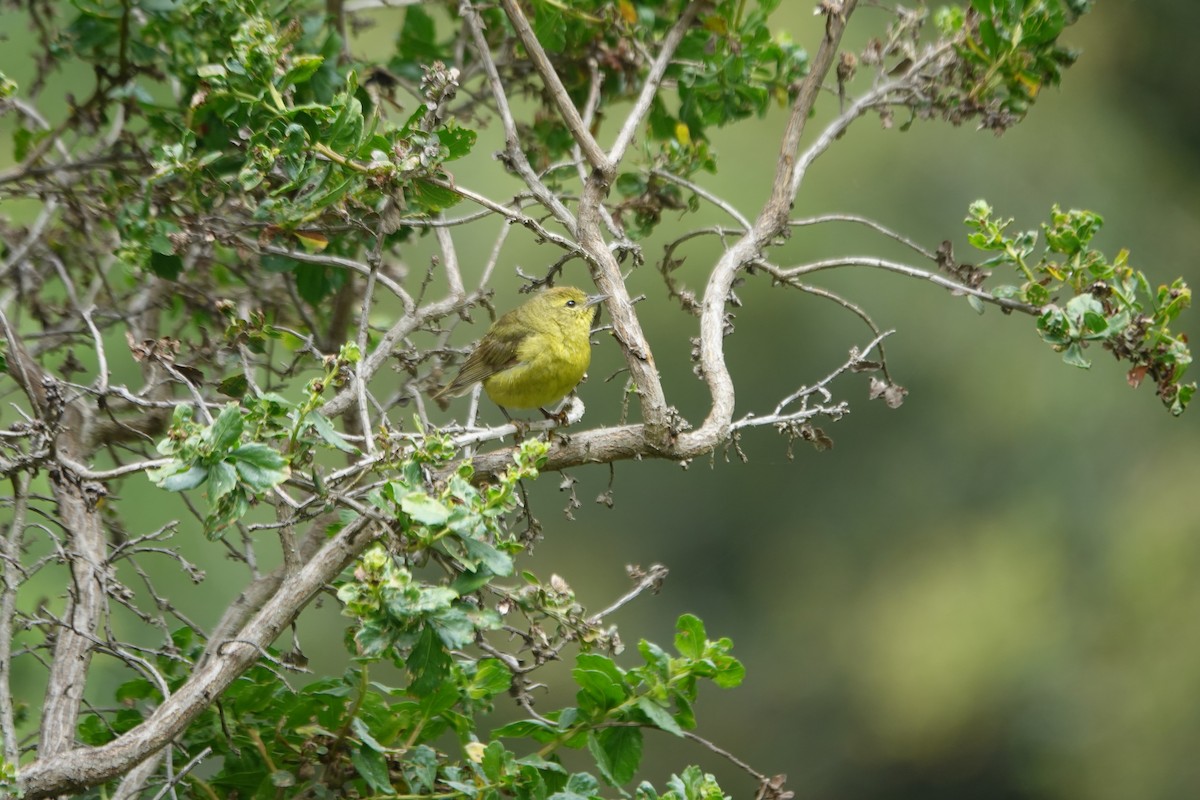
(535, 354)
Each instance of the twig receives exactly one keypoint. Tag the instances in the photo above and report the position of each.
(513, 216)
(700, 191)
(179, 776)
(870, 223)
(876, 96)
(652, 580)
(87, 474)
(792, 273)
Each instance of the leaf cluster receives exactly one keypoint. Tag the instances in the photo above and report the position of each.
(233, 469)
(1007, 52)
(1086, 298)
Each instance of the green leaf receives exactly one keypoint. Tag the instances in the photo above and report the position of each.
(420, 767)
(549, 27)
(313, 282)
(166, 265)
(138, 689)
(438, 702)
(690, 637)
(303, 67)
(324, 428)
(432, 198)
(601, 684)
(418, 36)
(1074, 356)
(659, 717)
(490, 679)
(226, 430)
(526, 729)
(364, 734)
(425, 509)
(455, 627)
(234, 386)
(730, 671)
(428, 663)
(190, 478)
(489, 557)
(260, 466)
(372, 766)
(580, 786)
(458, 141)
(222, 479)
(618, 752)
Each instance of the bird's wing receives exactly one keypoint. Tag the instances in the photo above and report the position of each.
(495, 353)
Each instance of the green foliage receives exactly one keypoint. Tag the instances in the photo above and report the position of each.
(8, 87)
(231, 457)
(692, 784)
(1008, 50)
(648, 194)
(234, 470)
(726, 69)
(613, 705)
(271, 134)
(1106, 301)
(353, 735)
(8, 776)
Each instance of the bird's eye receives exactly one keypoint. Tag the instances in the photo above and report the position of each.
(570, 304)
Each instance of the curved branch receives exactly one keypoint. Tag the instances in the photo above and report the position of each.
(868, 222)
(789, 275)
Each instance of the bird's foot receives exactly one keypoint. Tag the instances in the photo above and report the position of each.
(559, 417)
(520, 426)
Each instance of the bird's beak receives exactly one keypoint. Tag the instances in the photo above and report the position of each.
(594, 301)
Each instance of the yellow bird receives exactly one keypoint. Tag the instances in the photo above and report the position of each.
(535, 354)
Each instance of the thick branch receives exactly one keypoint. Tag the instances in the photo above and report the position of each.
(554, 86)
(10, 552)
(606, 272)
(783, 190)
(85, 546)
(86, 602)
(771, 222)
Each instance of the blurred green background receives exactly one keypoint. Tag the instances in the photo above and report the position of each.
(990, 592)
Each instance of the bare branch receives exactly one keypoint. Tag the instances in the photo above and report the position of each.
(879, 95)
(516, 155)
(554, 87)
(870, 223)
(785, 185)
(700, 191)
(790, 274)
(654, 78)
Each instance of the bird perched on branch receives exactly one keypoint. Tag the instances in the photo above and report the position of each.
(535, 354)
